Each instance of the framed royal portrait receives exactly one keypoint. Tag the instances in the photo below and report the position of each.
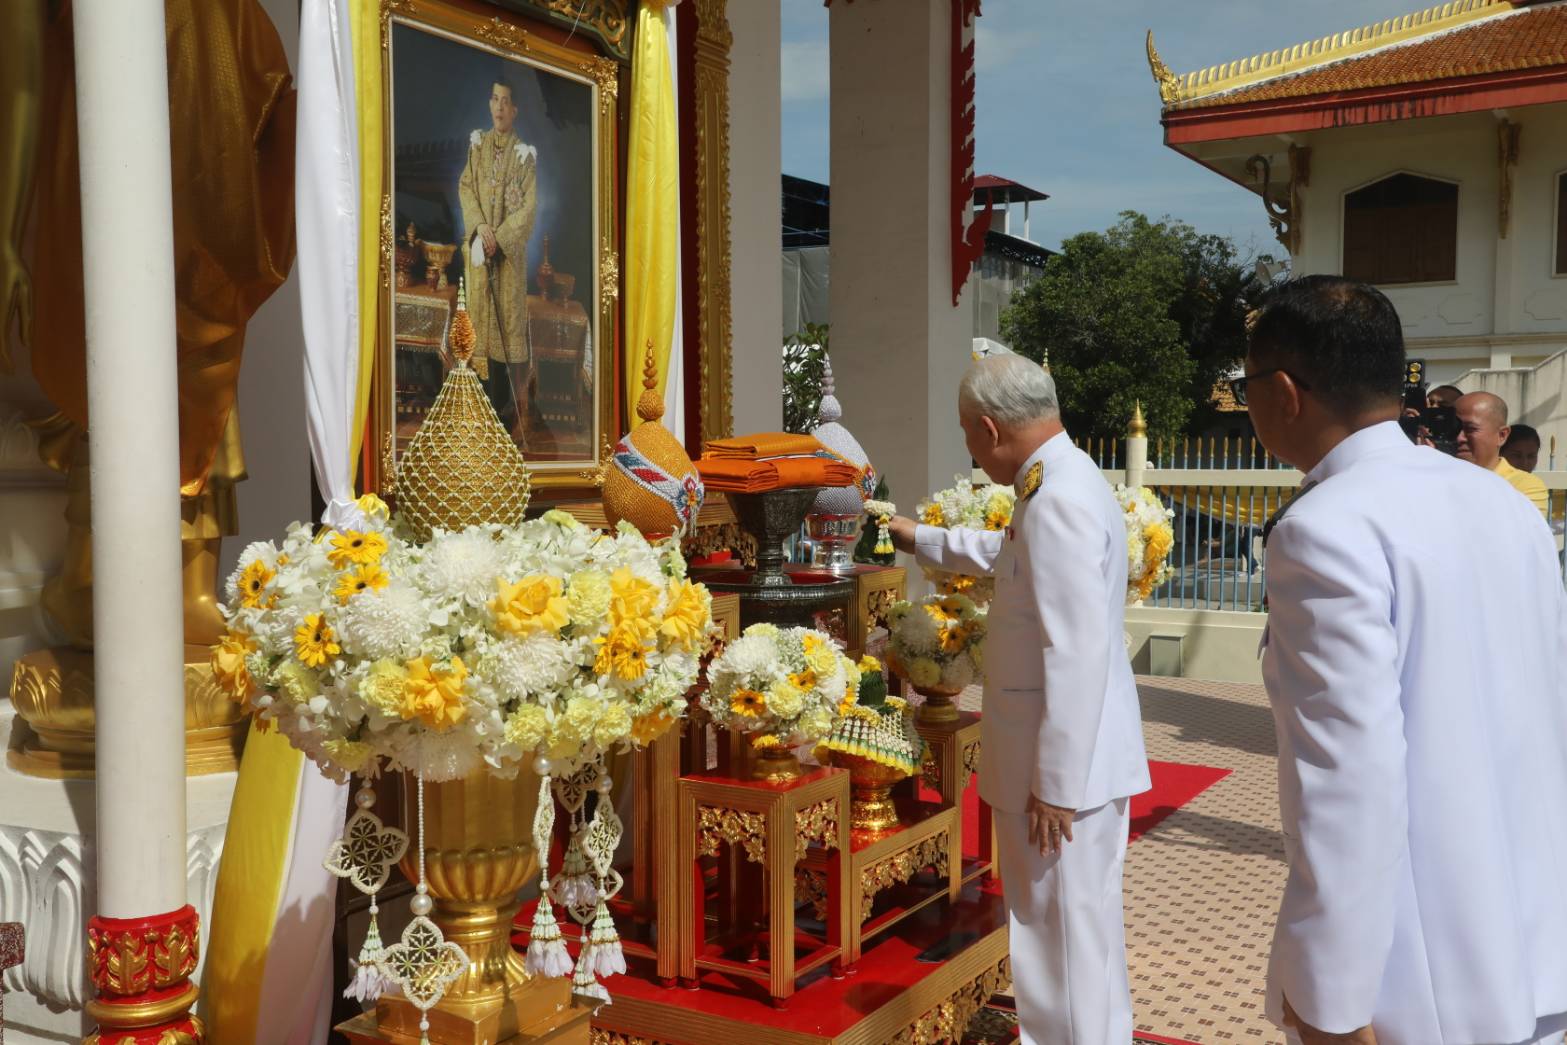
(500, 134)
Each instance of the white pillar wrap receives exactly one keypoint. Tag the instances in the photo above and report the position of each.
(122, 109)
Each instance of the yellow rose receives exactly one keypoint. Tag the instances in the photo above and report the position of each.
(587, 598)
(228, 664)
(535, 603)
(527, 727)
(690, 612)
(631, 600)
(433, 694)
(649, 728)
(382, 687)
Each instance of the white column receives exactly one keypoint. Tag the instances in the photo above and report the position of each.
(899, 345)
(122, 110)
(1136, 448)
(755, 195)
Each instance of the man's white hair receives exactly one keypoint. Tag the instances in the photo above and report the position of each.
(1009, 389)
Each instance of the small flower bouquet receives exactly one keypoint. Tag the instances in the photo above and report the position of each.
(487, 647)
(781, 686)
(936, 644)
(987, 507)
(1150, 535)
(876, 742)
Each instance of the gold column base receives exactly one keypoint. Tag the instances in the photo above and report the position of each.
(539, 1012)
(53, 689)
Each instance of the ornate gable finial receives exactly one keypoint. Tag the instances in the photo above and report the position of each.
(830, 409)
(1169, 83)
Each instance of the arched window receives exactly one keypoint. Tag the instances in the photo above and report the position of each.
(1402, 229)
(1561, 224)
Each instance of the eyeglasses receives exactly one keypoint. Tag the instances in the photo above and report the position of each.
(1238, 384)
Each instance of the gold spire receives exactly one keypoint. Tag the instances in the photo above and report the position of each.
(1138, 429)
(461, 468)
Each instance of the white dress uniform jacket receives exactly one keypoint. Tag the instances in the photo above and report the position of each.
(1414, 658)
(1061, 716)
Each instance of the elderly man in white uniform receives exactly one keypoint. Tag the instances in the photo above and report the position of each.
(1062, 734)
(1414, 659)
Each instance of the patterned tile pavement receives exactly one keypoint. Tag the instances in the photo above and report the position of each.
(1203, 886)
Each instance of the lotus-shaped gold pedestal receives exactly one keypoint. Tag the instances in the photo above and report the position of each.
(871, 810)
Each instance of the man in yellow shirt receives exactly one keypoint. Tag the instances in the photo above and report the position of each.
(1484, 419)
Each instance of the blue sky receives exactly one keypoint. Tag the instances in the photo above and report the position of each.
(1066, 104)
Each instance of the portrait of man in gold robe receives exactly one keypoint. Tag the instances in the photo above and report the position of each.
(498, 191)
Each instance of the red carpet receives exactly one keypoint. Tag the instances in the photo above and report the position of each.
(1174, 784)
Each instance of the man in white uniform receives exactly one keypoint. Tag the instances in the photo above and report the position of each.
(1414, 659)
(1062, 734)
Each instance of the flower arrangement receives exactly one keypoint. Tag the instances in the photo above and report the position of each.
(987, 507)
(784, 686)
(1150, 536)
(875, 725)
(937, 641)
(486, 647)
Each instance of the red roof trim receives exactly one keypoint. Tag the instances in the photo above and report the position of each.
(1373, 105)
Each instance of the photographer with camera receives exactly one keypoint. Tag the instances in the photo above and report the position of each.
(1483, 420)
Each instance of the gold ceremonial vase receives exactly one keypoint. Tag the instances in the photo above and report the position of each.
(775, 765)
(871, 809)
(938, 708)
(479, 853)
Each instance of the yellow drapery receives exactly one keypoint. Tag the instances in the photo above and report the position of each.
(365, 28)
(1241, 505)
(232, 151)
(652, 207)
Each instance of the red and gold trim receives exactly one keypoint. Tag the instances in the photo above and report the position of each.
(141, 968)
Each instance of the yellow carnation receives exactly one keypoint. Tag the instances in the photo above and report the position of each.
(350, 754)
(649, 728)
(433, 694)
(534, 603)
(228, 664)
(869, 664)
(766, 740)
(613, 725)
(924, 672)
(815, 724)
(587, 598)
(295, 682)
(576, 725)
(527, 727)
(690, 612)
(382, 687)
(930, 515)
(786, 697)
(822, 661)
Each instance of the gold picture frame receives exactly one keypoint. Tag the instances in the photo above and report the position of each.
(549, 364)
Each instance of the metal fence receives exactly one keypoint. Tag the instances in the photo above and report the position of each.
(1222, 492)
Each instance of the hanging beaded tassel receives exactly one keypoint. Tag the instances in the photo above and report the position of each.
(547, 954)
(882, 512)
(603, 954)
(574, 887)
(365, 855)
(423, 963)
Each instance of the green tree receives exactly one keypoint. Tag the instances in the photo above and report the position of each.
(803, 356)
(1145, 311)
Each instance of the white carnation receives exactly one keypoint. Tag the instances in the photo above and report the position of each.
(475, 138)
(389, 623)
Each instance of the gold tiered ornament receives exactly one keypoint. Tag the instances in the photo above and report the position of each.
(496, 662)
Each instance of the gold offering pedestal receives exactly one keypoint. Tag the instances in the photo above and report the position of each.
(478, 855)
(950, 765)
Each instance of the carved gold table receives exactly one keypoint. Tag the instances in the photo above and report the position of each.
(949, 769)
(773, 825)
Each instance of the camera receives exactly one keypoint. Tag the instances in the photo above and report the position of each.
(1437, 425)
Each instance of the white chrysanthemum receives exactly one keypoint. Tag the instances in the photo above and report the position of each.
(520, 668)
(460, 567)
(958, 672)
(916, 634)
(389, 623)
(751, 656)
(441, 757)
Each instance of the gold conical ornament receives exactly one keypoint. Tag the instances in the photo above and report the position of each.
(651, 482)
(461, 468)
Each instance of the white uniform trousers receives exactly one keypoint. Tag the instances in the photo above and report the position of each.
(1552, 1038)
(1068, 935)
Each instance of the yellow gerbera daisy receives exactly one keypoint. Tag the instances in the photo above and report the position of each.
(748, 702)
(315, 642)
(353, 548)
(366, 578)
(622, 653)
(253, 584)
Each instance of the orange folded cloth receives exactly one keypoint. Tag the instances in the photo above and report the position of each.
(736, 475)
(763, 444)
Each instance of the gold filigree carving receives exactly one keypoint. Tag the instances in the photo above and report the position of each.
(817, 823)
(711, 148)
(715, 825)
(389, 8)
(810, 887)
(606, 74)
(606, 454)
(971, 754)
(902, 866)
(502, 34)
(175, 959)
(1285, 217)
(949, 1019)
(388, 240)
(930, 771)
(606, 18)
(600, 1036)
(609, 273)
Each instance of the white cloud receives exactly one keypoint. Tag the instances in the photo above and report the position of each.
(805, 71)
(995, 49)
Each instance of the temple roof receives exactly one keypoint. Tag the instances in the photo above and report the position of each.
(1465, 38)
